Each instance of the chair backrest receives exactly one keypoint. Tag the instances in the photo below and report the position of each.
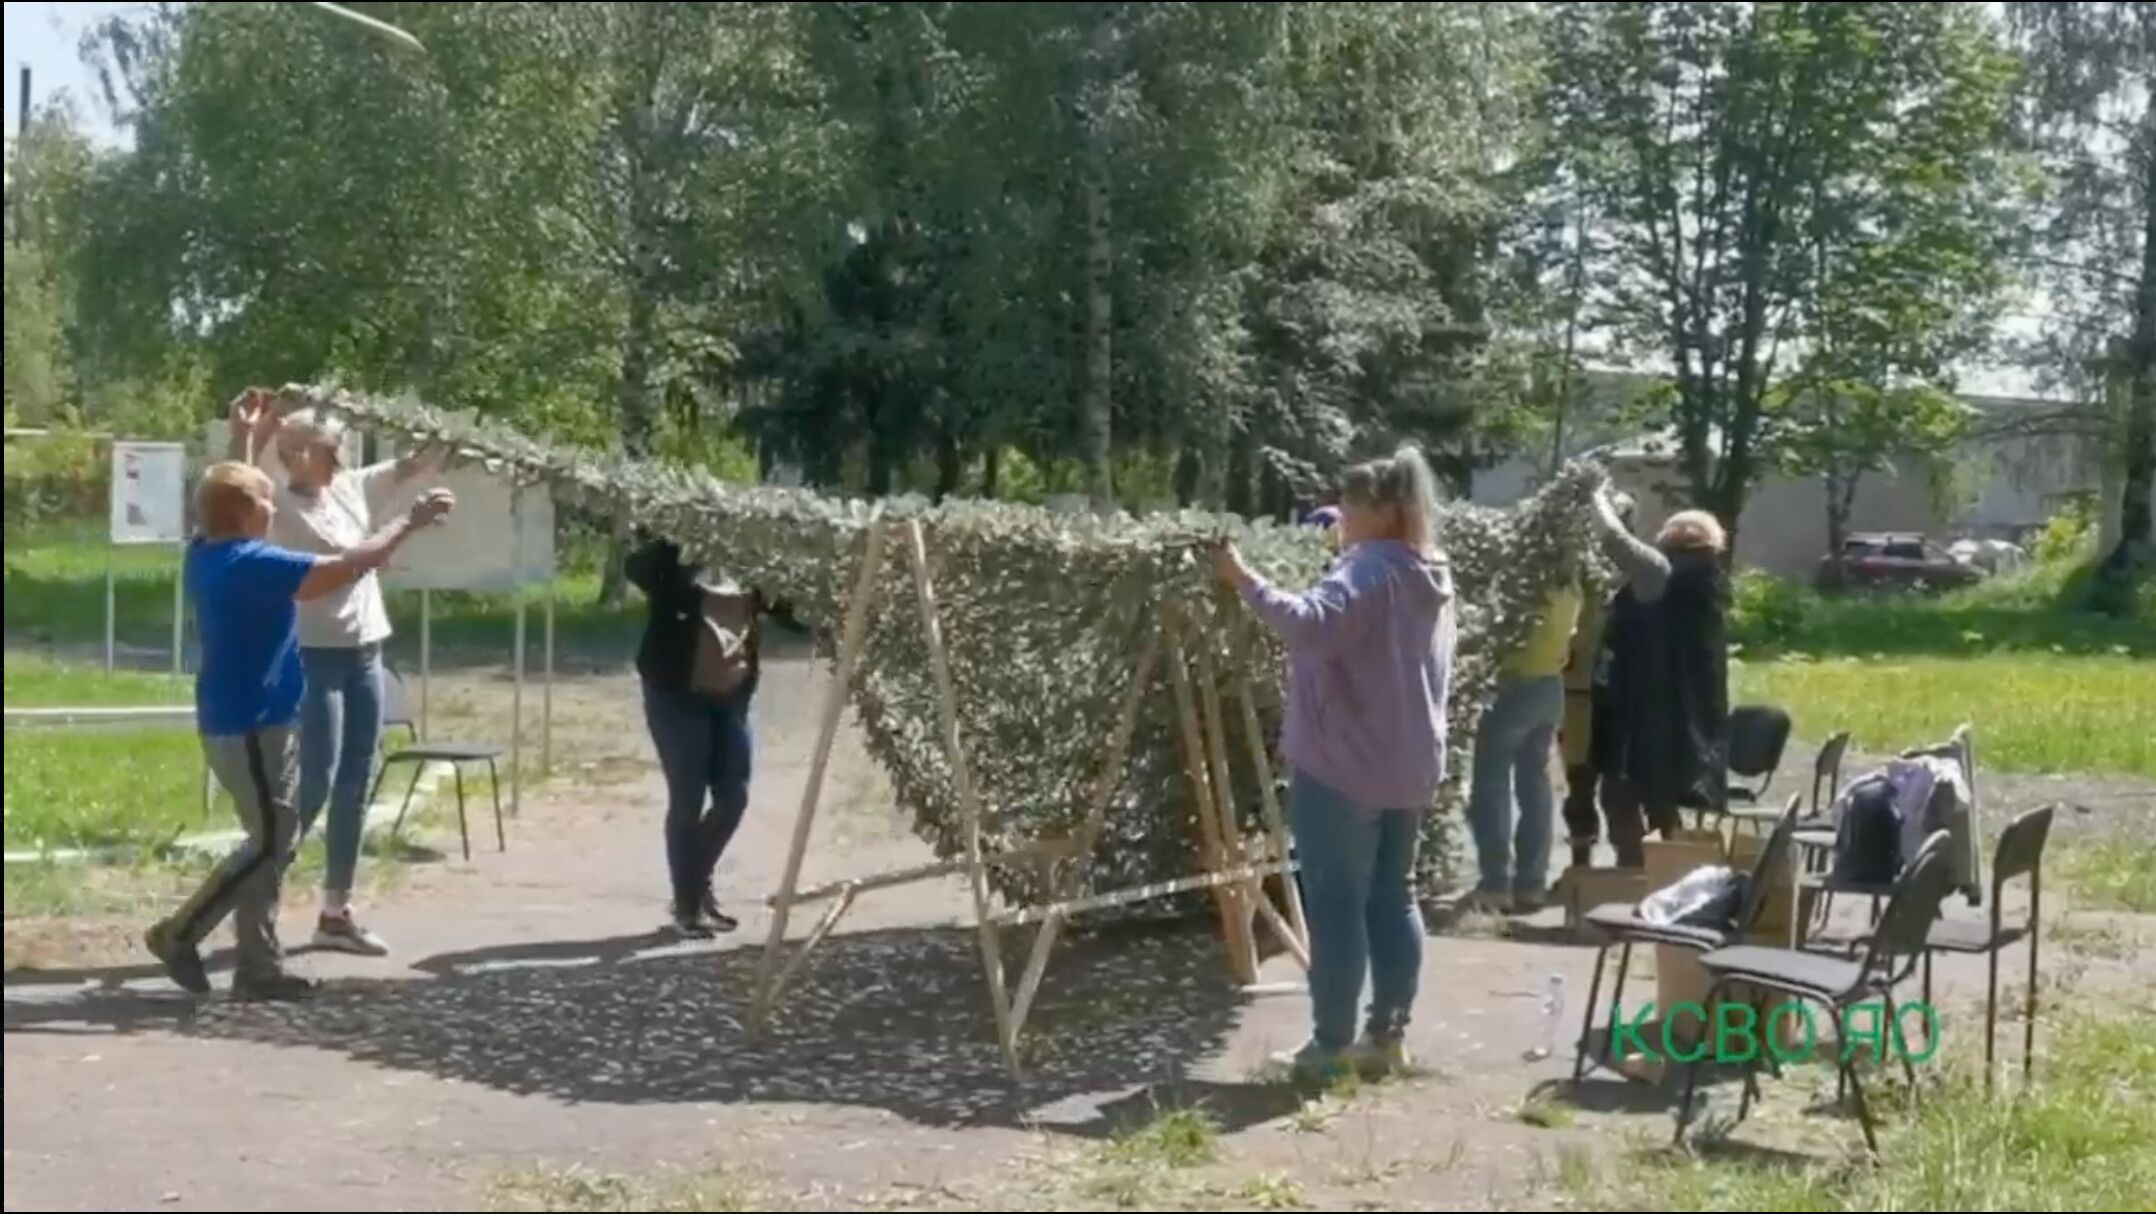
(2021, 845)
(1771, 858)
(1757, 736)
(1904, 927)
(1827, 770)
(396, 701)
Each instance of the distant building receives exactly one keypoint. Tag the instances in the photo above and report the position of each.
(2003, 483)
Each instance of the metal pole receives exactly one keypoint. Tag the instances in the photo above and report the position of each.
(109, 605)
(179, 617)
(546, 703)
(516, 727)
(426, 656)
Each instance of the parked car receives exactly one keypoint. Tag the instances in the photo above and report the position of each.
(1895, 561)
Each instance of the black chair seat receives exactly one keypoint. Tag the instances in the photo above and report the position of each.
(1622, 919)
(1959, 935)
(1822, 977)
(447, 752)
(1745, 796)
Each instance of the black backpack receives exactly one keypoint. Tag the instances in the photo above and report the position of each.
(1867, 833)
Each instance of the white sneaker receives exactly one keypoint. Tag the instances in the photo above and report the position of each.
(343, 934)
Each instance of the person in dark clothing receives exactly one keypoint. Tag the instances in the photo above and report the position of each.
(1661, 739)
(703, 740)
(1586, 712)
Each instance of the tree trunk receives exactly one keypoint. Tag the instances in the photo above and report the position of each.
(1096, 417)
(950, 464)
(1841, 498)
(2129, 560)
(992, 472)
(1239, 494)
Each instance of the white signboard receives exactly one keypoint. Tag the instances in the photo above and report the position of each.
(499, 537)
(149, 493)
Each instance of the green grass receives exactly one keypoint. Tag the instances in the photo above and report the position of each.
(33, 681)
(2117, 873)
(99, 787)
(2033, 712)
(2079, 1141)
(56, 598)
(2032, 611)
(580, 1189)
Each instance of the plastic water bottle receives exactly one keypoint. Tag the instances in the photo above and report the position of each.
(1553, 1010)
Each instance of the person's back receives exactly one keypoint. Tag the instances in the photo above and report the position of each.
(1368, 696)
(250, 676)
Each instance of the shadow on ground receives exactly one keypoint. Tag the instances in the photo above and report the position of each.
(893, 1019)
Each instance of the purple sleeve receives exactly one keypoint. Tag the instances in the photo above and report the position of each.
(1320, 618)
(272, 574)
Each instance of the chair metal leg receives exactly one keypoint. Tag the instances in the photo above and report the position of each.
(1897, 1044)
(1991, 1017)
(1691, 1074)
(463, 828)
(2028, 1028)
(1864, 1113)
(409, 791)
(494, 781)
(1609, 1039)
(1587, 1019)
(1751, 1084)
(1927, 977)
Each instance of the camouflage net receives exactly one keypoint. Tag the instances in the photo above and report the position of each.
(1043, 616)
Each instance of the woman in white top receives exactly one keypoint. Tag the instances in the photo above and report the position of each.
(325, 508)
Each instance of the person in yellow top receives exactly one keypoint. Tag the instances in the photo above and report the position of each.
(1512, 760)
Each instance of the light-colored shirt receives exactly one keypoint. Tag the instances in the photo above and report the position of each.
(350, 508)
(1543, 654)
(1370, 651)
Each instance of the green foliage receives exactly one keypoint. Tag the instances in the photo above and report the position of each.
(1772, 179)
(2070, 535)
(62, 475)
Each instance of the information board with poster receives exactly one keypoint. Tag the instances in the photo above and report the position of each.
(149, 493)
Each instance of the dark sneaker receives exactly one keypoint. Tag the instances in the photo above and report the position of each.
(343, 934)
(689, 924)
(274, 988)
(718, 920)
(182, 961)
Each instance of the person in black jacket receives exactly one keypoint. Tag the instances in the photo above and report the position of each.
(1661, 743)
(703, 741)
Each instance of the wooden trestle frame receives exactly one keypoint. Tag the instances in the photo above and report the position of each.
(1234, 867)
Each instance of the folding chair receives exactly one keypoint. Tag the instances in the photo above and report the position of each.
(396, 710)
(1815, 834)
(1758, 734)
(1620, 923)
(2020, 853)
(1827, 775)
(1889, 957)
(1960, 746)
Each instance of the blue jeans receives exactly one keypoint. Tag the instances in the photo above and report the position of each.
(1358, 894)
(1512, 758)
(340, 728)
(704, 750)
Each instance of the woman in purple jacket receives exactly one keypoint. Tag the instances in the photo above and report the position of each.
(1369, 674)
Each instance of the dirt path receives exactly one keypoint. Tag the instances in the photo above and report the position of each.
(532, 1019)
